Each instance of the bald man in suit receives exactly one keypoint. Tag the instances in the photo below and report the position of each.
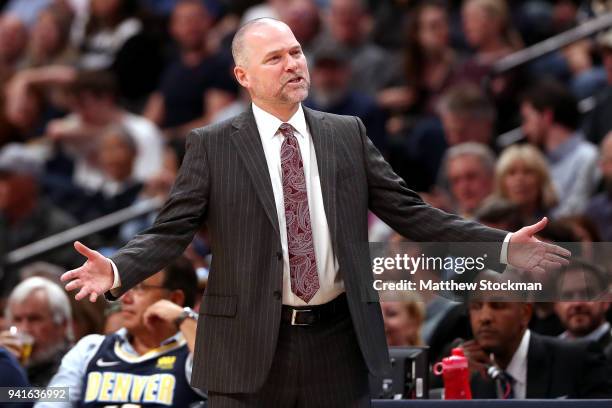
(289, 317)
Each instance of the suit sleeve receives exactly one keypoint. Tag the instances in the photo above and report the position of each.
(404, 210)
(596, 378)
(177, 222)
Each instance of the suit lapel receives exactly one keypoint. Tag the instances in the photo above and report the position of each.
(538, 365)
(325, 150)
(248, 143)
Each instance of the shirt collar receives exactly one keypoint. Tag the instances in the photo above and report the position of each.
(595, 335)
(268, 124)
(565, 148)
(518, 365)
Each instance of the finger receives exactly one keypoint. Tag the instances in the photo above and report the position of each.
(537, 227)
(85, 251)
(82, 293)
(556, 249)
(75, 284)
(93, 297)
(71, 274)
(538, 270)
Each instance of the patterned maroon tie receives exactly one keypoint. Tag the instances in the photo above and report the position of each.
(302, 261)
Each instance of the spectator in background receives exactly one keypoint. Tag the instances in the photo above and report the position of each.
(599, 209)
(95, 108)
(116, 155)
(41, 308)
(152, 347)
(304, 19)
(198, 82)
(488, 29)
(466, 115)
(550, 121)
(50, 39)
(522, 177)
(581, 309)
(13, 44)
(331, 93)
(599, 121)
(470, 170)
(372, 67)
(26, 216)
(403, 320)
(536, 366)
(428, 61)
(114, 39)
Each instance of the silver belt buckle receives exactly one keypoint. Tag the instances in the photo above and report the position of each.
(294, 313)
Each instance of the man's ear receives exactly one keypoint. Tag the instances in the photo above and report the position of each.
(177, 297)
(241, 76)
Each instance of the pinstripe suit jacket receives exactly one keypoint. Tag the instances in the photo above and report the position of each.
(224, 181)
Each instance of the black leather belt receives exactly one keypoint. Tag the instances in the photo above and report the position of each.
(311, 315)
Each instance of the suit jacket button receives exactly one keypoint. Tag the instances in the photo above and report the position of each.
(279, 255)
(278, 294)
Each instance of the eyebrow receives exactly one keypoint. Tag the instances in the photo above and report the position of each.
(276, 51)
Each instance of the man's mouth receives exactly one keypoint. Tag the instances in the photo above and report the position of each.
(295, 80)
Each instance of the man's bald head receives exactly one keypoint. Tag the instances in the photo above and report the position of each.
(238, 43)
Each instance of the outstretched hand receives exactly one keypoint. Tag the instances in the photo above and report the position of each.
(93, 278)
(527, 252)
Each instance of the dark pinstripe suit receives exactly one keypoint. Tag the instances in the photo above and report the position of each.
(224, 181)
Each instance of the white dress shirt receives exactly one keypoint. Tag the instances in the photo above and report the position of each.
(327, 264)
(518, 367)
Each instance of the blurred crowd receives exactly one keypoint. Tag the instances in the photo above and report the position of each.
(97, 97)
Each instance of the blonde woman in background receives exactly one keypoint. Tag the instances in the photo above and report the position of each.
(523, 178)
(403, 320)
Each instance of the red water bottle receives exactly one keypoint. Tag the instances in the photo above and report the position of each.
(456, 375)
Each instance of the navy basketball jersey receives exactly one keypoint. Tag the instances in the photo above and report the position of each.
(116, 379)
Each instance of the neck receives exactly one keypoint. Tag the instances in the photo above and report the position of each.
(146, 340)
(282, 112)
(504, 357)
(193, 57)
(557, 136)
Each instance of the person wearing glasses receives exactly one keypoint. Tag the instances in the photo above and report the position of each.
(149, 360)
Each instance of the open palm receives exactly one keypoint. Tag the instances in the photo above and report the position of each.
(93, 278)
(529, 253)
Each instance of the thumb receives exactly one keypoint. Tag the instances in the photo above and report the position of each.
(537, 227)
(85, 251)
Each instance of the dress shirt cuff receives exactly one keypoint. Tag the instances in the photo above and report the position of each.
(116, 280)
(503, 257)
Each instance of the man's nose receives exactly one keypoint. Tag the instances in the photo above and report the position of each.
(291, 64)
